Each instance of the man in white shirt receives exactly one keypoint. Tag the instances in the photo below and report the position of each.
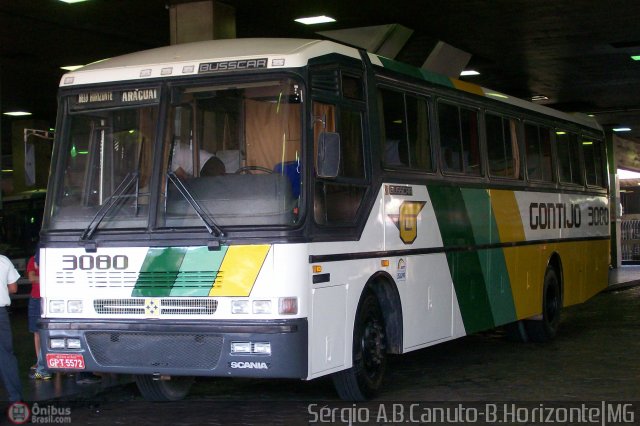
(8, 363)
(182, 160)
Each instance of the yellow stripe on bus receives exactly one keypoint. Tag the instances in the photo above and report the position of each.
(525, 280)
(582, 277)
(239, 270)
(467, 87)
(507, 215)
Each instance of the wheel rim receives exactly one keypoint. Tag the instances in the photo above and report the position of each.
(552, 302)
(373, 348)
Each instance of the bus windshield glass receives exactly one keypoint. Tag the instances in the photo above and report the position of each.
(230, 157)
(107, 161)
(236, 150)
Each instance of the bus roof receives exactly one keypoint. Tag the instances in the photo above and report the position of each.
(269, 53)
(185, 59)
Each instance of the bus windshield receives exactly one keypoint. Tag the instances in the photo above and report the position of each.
(106, 143)
(230, 157)
(236, 150)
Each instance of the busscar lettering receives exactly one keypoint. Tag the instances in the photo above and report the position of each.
(564, 216)
(240, 64)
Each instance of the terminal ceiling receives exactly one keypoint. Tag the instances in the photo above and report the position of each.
(578, 54)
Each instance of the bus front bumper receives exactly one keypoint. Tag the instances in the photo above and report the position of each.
(266, 348)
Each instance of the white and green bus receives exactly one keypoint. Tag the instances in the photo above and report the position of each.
(280, 208)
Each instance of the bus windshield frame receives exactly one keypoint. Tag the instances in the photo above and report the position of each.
(233, 147)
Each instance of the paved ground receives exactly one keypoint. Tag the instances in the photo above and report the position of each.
(594, 358)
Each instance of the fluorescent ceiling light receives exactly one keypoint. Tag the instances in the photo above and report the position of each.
(72, 1)
(635, 57)
(17, 113)
(497, 95)
(71, 67)
(537, 98)
(627, 174)
(315, 20)
(469, 72)
(621, 129)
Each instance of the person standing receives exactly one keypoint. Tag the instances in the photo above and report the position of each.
(33, 273)
(8, 363)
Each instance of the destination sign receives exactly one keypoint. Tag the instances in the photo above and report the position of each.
(114, 98)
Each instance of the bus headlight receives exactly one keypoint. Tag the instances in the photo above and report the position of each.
(73, 344)
(56, 306)
(56, 343)
(256, 348)
(239, 306)
(240, 347)
(263, 348)
(262, 306)
(74, 306)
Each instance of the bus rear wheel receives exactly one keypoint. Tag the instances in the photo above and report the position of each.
(545, 329)
(363, 379)
(174, 389)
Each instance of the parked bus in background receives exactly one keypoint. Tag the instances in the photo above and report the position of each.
(20, 221)
(298, 208)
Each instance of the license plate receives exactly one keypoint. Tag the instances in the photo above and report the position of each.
(68, 361)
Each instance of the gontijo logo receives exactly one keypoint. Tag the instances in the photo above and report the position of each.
(407, 220)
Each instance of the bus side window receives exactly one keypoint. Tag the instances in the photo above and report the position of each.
(569, 165)
(337, 200)
(593, 152)
(502, 146)
(538, 152)
(459, 143)
(405, 126)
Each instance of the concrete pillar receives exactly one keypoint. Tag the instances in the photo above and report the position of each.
(201, 20)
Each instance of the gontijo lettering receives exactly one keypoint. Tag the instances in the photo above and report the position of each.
(563, 215)
(554, 215)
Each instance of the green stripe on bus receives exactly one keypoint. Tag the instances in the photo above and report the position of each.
(159, 272)
(415, 72)
(198, 271)
(492, 261)
(457, 231)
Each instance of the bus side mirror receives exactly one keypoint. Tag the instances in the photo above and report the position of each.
(328, 154)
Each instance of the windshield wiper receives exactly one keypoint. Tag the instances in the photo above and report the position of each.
(112, 201)
(208, 222)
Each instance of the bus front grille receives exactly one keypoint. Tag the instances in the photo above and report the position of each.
(155, 350)
(167, 306)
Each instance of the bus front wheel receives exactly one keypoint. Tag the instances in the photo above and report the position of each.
(546, 328)
(363, 379)
(174, 389)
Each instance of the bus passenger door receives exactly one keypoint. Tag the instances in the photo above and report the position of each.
(423, 280)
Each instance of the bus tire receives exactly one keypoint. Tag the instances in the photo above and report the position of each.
(364, 378)
(545, 329)
(174, 389)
